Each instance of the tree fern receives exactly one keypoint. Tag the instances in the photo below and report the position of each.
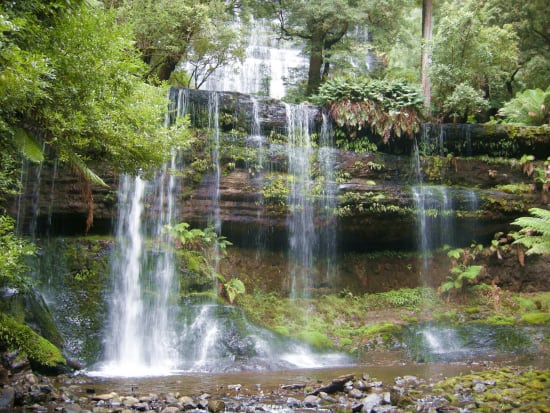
(531, 107)
(535, 231)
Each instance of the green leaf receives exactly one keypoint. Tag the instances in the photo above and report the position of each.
(28, 146)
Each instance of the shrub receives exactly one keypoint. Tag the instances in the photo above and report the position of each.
(387, 108)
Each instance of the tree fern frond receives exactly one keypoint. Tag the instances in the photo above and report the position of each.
(77, 164)
(542, 248)
(28, 146)
(535, 231)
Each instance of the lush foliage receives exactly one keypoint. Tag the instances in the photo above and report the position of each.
(199, 252)
(169, 32)
(386, 108)
(326, 27)
(14, 253)
(530, 107)
(71, 89)
(535, 231)
(472, 58)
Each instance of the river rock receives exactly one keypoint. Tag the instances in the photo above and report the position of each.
(187, 403)
(312, 401)
(129, 401)
(105, 396)
(171, 409)
(293, 403)
(216, 406)
(7, 397)
(355, 393)
(327, 398)
(479, 388)
(370, 402)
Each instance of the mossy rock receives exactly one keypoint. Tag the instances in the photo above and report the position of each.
(316, 339)
(42, 354)
(536, 318)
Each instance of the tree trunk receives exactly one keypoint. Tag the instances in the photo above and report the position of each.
(315, 64)
(427, 11)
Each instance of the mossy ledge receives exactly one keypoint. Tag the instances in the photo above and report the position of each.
(42, 355)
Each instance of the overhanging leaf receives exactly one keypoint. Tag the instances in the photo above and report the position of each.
(28, 146)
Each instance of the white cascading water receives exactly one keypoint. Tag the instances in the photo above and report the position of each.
(302, 235)
(142, 333)
(269, 62)
(328, 199)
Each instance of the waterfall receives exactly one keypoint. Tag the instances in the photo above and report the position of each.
(302, 235)
(214, 127)
(269, 63)
(328, 199)
(141, 338)
(437, 207)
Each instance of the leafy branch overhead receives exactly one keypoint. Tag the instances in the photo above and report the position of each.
(386, 108)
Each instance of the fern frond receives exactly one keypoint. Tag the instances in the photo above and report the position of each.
(77, 164)
(28, 146)
(535, 231)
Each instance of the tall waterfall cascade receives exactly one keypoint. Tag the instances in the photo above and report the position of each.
(142, 330)
(268, 64)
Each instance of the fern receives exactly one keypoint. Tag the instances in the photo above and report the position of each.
(531, 107)
(535, 231)
(28, 146)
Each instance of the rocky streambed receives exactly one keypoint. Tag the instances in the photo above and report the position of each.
(437, 388)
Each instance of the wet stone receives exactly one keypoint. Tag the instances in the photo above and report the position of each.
(480, 388)
(7, 397)
(187, 402)
(142, 407)
(292, 402)
(312, 401)
(72, 408)
(370, 402)
(216, 406)
(171, 409)
(356, 393)
(104, 397)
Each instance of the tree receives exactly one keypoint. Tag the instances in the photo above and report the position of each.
(472, 58)
(322, 24)
(71, 83)
(529, 20)
(427, 11)
(171, 32)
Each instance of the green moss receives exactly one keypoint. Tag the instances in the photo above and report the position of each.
(16, 336)
(499, 320)
(536, 318)
(315, 339)
(282, 330)
(375, 329)
(506, 389)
